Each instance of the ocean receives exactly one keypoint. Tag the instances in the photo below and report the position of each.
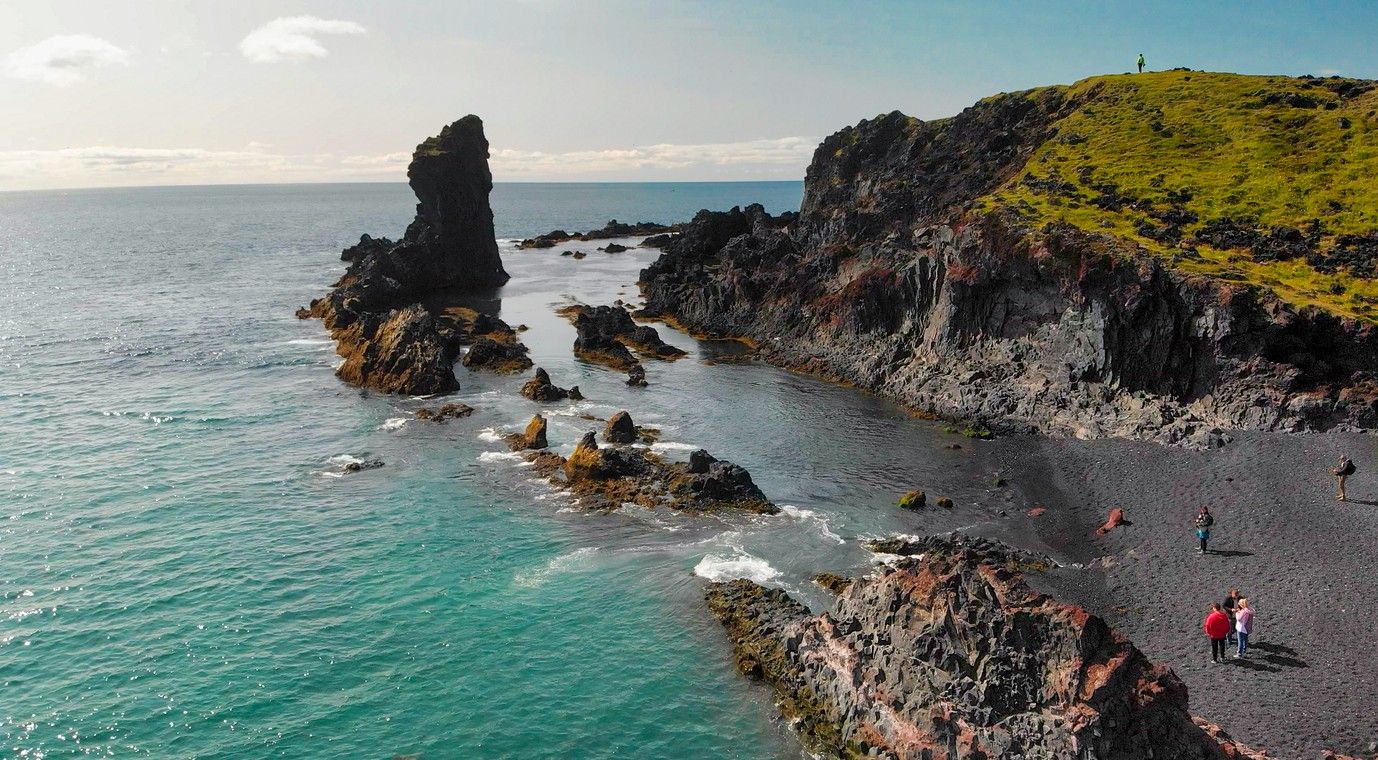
(185, 571)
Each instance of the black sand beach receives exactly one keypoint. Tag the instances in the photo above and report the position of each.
(1302, 557)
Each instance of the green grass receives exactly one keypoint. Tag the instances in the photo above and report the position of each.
(1210, 144)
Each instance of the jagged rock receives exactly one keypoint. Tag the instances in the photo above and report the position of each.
(605, 333)
(534, 437)
(540, 388)
(614, 248)
(606, 478)
(658, 241)
(913, 500)
(445, 412)
(897, 278)
(699, 461)
(389, 339)
(636, 376)
(620, 429)
(954, 656)
(580, 255)
(499, 355)
(367, 464)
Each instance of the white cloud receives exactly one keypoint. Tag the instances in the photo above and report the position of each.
(64, 59)
(293, 38)
(99, 166)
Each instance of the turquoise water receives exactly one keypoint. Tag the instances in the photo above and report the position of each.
(184, 572)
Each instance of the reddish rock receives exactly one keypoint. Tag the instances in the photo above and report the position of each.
(1115, 520)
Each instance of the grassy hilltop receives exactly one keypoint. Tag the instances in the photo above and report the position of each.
(1266, 180)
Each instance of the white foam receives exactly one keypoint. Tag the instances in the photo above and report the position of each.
(567, 562)
(490, 435)
(393, 423)
(309, 342)
(716, 567)
(500, 456)
(340, 460)
(673, 446)
(813, 518)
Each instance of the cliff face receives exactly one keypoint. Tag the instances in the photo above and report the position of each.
(393, 314)
(902, 275)
(951, 655)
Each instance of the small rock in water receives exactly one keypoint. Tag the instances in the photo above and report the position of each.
(367, 464)
(913, 500)
(620, 429)
(445, 412)
(945, 502)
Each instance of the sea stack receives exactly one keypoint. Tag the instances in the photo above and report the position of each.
(390, 339)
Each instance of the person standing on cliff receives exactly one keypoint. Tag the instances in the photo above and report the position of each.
(1217, 627)
(1343, 470)
(1203, 523)
(1141, 63)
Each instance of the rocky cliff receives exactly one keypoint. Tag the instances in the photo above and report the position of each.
(951, 655)
(946, 265)
(397, 314)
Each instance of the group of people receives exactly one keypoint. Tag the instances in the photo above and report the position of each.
(1229, 623)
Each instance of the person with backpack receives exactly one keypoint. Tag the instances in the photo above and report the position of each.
(1217, 627)
(1204, 521)
(1141, 63)
(1343, 470)
(1244, 625)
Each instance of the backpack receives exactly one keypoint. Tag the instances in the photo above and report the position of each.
(1348, 468)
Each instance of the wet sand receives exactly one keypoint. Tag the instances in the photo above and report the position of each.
(1303, 558)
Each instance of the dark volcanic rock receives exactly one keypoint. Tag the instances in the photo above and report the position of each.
(620, 429)
(614, 248)
(954, 656)
(445, 412)
(613, 229)
(892, 278)
(540, 388)
(390, 339)
(500, 355)
(606, 478)
(366, 464)
(605, 333)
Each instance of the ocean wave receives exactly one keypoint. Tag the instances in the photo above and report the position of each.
(673, 446)
(501, 456)
(567, 562)
(490, 435)
(393, 423)
(813, 518)
(309, 342)
(716, 567)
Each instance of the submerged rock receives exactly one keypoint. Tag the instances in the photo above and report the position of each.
(499, 354)
(445, 412)
(954, 656)
(913, 500)
(613, 229)
(393, 314)
(367, 464)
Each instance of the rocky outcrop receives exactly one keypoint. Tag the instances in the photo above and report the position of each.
(620, 429)
(606, 333)
(605, 478)
(395, 314)
(613, 229)
(533, 438)
(951, 655)
(900, 276)
(540, 388)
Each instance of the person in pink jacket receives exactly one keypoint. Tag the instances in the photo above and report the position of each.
(1243, 624)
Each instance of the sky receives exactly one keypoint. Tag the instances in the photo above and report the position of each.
(103, 94)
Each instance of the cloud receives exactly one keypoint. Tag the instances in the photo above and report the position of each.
(64, 59)
(98, 166)
(293, 38)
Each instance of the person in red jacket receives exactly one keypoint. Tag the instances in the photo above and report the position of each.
(1217, 627)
